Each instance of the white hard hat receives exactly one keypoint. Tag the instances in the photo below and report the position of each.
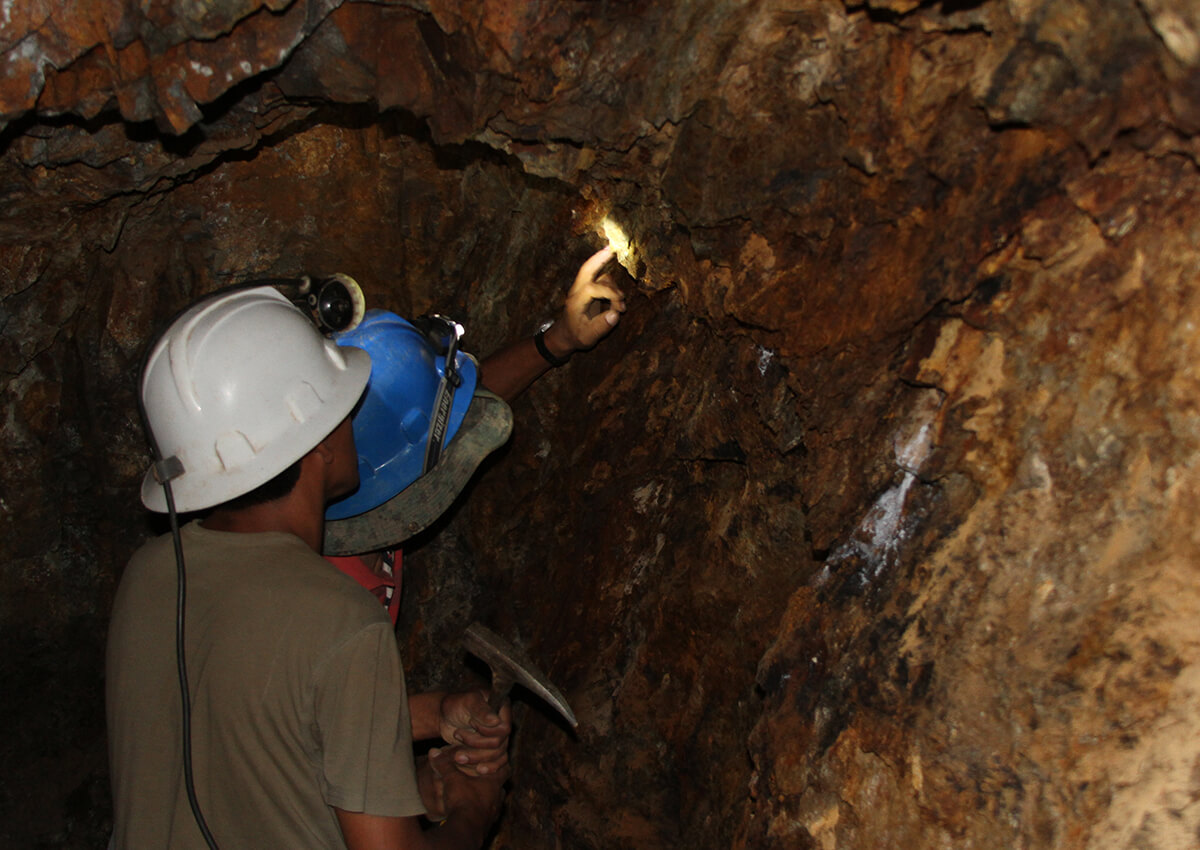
(239, 388)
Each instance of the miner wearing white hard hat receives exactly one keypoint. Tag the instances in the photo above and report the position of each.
(297, 730)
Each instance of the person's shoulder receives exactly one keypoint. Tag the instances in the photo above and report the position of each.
(152, 546)
(258, 551)
(317, 584)
(275, 569)
(149, 556)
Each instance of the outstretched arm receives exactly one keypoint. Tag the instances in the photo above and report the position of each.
(510, 371)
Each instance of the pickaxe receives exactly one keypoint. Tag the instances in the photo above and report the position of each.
(510, 665)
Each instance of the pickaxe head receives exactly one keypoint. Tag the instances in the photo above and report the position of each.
(510, 665)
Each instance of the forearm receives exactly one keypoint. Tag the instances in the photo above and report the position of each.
(467, 807)
(510, 371)
(425, 712)
(592, 309)
(465, 829)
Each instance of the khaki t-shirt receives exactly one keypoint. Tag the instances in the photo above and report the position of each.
(298, 697)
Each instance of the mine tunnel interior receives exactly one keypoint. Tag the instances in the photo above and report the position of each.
(871, 523)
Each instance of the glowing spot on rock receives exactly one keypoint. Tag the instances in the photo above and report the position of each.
(246, 67)
(615, 234)
(619, 240)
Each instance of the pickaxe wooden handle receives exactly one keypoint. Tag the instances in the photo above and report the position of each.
(510, 666)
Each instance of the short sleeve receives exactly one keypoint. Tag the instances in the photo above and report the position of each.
(363, 729)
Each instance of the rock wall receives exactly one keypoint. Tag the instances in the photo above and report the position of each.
(872, 523)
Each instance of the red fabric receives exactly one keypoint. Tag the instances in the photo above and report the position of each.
(355, 567)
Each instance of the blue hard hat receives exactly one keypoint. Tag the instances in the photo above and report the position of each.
(391, 424)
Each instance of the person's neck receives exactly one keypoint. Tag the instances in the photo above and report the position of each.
(289, 515)
(301, 512)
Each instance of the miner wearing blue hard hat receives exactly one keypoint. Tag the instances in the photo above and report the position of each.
(413, 465)
(289, 724)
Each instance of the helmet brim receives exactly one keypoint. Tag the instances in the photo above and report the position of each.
(202, 492)
(486, 426)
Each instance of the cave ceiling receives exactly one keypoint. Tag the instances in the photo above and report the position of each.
(741, 141)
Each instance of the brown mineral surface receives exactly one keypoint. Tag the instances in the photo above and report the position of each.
(873, 525)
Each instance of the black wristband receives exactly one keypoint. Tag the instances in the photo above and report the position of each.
(545, 352)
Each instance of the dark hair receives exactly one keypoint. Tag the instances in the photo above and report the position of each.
(276, 488)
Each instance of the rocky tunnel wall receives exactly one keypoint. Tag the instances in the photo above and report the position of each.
(872, 524)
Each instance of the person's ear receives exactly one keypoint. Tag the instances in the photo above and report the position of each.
(324, 451)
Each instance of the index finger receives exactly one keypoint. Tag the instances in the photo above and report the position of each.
(593, 264)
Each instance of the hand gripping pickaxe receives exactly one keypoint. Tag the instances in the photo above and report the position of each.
(510, 665)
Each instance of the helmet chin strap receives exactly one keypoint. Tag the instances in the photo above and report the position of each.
(451, 380)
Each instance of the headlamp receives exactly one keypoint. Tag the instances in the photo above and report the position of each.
(337, 304)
